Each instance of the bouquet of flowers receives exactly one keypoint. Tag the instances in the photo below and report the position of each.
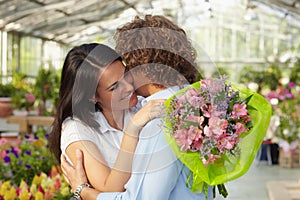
(216, 130)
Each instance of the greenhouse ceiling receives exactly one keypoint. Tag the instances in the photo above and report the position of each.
(75, 21)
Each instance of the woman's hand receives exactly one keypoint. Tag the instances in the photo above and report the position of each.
(151, 110)
(74, 176)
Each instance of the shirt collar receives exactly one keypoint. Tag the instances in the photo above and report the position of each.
(163, 94)
(104, 125)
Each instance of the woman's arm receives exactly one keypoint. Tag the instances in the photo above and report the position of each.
(76, 176)
(99, 174)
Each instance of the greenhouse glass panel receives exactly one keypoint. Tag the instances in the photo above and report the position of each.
(30, 58)
(241, 50)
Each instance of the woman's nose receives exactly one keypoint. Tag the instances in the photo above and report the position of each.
(127, 86)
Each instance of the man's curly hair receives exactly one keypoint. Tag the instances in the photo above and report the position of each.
(157, 40)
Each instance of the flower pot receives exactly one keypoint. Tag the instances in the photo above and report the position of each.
(5, 107)
(20, 113)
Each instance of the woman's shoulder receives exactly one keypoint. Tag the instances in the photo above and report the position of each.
(74, 130)
(75, 125)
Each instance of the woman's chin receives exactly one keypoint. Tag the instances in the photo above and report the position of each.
(133, 100)
(126, 103)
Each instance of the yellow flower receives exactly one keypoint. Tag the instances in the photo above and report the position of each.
(43, 176)
(33, 189)
(23, 185)
(11, 194)
(36, 180)
(65, 190)
(24, 195)
(39, 196)
(47, 183)
(5, 187)
(39, 143)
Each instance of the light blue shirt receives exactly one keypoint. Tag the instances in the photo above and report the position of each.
(157, 174)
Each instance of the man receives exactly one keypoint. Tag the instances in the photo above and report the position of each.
(160, 60)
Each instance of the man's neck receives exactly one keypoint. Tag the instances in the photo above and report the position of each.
(150, 89)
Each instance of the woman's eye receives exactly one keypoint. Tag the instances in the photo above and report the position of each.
(115, 86)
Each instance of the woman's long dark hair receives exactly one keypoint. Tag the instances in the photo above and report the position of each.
(79, 81)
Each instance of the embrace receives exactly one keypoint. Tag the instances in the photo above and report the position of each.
(107, 131)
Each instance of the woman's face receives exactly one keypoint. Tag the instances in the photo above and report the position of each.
(114, 92)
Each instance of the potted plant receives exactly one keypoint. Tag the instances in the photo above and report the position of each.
(22, 102)
(6, 92)
(46, 90)
(23, 98)
(289, 128)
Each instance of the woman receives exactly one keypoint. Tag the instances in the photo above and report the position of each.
(93, 107)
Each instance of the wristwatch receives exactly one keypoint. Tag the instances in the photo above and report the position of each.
(78, 190)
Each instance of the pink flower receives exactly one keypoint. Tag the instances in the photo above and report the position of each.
(57, 183)
(197, 119)
(205, 83)
(272, 95)
(239, 110)
(291, 84)
(197, 145)
(3, 154)
(226, 142)
(3, 141)
(180, 102)
(210, 110)
(211, 159)
(194, 101)
(285, 94)
(216, 127)
(30, 97)
(240, 128)
(194, 133)
(182, 139)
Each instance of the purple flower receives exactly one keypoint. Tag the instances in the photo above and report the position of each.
(13, 150)
(28, 166)
(28, 152)
(6, 159)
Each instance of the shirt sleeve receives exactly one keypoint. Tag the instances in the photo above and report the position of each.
(74, 130)
(110, 196)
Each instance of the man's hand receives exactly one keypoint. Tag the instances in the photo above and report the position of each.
(74, 176)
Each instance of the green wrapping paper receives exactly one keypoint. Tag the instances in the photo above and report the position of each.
(228, 167)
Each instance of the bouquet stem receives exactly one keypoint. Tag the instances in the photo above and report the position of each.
(222, 190)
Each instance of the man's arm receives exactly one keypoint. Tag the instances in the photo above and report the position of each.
(76, 176)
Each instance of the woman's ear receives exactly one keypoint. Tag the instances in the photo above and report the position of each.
(93, 100)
